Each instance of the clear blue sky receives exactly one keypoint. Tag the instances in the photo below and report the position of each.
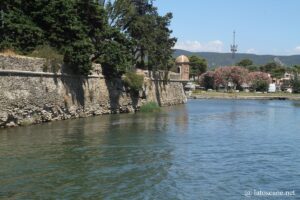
(262, 26)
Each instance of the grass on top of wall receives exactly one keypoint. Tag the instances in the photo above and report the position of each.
(54, 60)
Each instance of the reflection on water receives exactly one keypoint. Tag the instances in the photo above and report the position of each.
(207, 149)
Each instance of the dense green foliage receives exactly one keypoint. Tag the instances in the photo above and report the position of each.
(150, 107)
(198, 66)
(261, 86)
(73, 28)
(208, 80)
(245, 62)
(121, 35)
(276, 70)
(296, 84)
(134, 81)
(296, 69)
(252, 68)
(146, 29)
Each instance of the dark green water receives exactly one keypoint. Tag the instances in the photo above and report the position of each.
(207, 149)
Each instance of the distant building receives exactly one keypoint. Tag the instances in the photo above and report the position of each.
(183, 67)
(284, 83)
(182, 73)
(272, 88)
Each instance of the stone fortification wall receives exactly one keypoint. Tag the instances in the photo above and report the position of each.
(21, 63)
(28, 96)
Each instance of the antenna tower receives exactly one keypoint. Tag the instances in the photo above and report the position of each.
(233, 47)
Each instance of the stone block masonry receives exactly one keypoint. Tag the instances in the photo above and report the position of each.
(30, 96)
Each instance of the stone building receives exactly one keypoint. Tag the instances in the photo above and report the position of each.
(183, 67)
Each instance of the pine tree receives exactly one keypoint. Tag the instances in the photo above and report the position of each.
(18, 31)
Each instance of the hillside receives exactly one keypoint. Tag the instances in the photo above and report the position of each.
(224, 59)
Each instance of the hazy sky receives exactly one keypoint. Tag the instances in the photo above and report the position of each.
(262, 26)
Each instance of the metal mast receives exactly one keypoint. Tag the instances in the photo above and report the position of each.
(234, 47)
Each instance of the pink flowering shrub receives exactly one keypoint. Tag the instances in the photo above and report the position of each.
(235, 77)
(230, 75)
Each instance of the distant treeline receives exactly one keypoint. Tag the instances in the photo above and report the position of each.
(119, 34)
(225, 59)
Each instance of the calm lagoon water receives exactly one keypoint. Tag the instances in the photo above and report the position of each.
(207, 149)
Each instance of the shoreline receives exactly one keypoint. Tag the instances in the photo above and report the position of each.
(228, 96)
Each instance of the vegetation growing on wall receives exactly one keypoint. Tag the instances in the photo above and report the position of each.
(54, 60)
(150, 107)
(134, 81)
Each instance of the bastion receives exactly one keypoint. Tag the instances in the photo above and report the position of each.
(29, 95)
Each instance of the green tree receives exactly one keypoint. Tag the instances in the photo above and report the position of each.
(296, 83)
(245, 62)
(207, 80)
(160, 51)
(252, 68)
(77, 57)
(138, 22)
(198, 66)
(148, 32)
(129, 32)
(60, 21)
(17, 30)
(296, 69)
(274, 69)
(115, 54)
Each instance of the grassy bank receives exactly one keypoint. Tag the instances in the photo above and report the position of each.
(244, 95)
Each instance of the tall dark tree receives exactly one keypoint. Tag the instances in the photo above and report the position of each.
(148, 32)
(17, 30)
(115, 54)
(161, 43)
(198, 66)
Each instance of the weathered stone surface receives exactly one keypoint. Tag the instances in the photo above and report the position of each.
(3, 118)
(21, 63)
(11, 124)
(26, 99)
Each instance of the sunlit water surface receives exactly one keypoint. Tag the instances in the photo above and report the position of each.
(207, 149)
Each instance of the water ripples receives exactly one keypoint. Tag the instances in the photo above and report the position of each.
(208, 149)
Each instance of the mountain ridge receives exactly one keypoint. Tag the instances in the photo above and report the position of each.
(215, 59)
